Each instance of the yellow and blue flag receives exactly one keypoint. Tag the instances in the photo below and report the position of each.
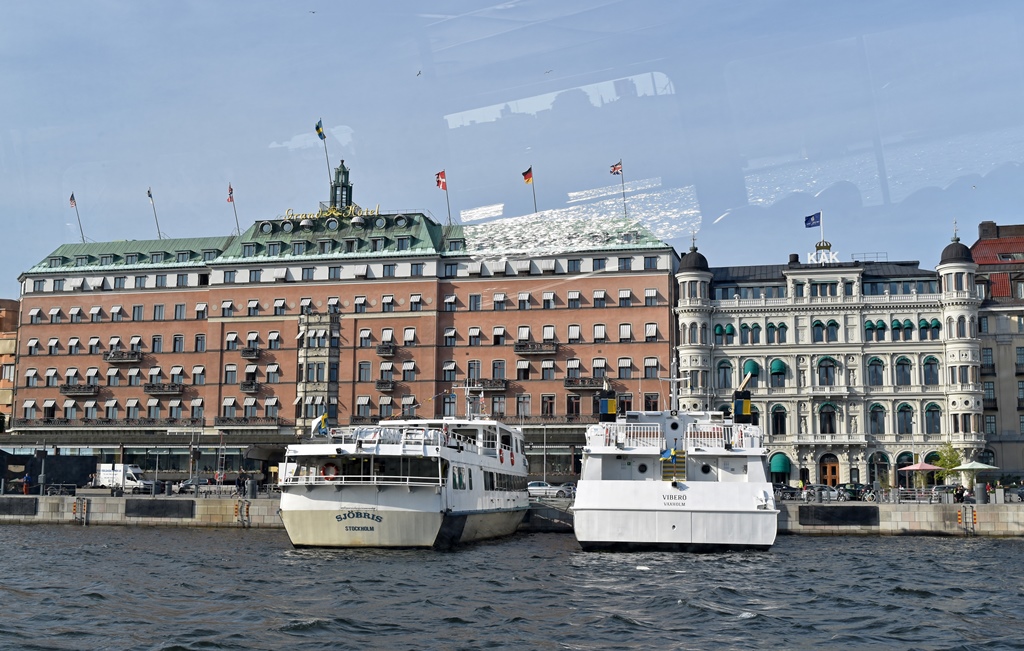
(319, 426)
(320, 129)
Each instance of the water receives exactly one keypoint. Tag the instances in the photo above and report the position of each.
(67, 587)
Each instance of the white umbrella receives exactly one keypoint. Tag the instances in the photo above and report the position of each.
(975, 465)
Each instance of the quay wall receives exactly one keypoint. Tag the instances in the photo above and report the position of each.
(904, 519)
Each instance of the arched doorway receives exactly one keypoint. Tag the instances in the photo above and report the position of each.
(779, 466)
(878, 469)
(930, 478)
(903, 460)
(828, 470)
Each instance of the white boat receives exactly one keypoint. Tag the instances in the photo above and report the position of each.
(407, 483)
(674, 481)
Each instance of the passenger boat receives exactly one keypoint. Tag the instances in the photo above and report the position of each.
(405, 483)
(674, 481)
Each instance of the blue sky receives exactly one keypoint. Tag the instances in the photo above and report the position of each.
(734, 120)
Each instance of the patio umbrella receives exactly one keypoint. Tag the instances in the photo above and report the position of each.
(927, 467)
(974, 465)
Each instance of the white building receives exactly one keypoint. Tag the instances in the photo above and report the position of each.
(857, 368)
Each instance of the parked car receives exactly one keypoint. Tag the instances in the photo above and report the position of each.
(544, 489)
(189, 485)
(1019, 492)
(852, 490)
(827, 492)
(786, 492)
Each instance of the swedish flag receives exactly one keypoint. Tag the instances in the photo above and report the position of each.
(320, 129)
(319, 426)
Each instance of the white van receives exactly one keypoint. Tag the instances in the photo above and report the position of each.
(129, 477)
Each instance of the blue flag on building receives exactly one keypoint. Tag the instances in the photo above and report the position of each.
(320, 129)
(813, 220)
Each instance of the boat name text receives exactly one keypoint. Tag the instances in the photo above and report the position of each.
(358, 515)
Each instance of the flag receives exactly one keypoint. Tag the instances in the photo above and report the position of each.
(73, 204)
(442, 180)
(319, 425)
(231, 194)
(149, 193)
(813, 220)
(320, 129)
(617, 168)
(528, 176)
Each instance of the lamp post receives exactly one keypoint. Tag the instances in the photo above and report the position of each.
(544, 471)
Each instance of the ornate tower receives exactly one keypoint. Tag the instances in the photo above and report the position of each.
(693, 316)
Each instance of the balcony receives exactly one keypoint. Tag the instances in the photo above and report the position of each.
(250, 387)
(989, 403)
(488, 384)
(250, 352)
(386, 350)
(988, 369)
(96, 423)
(79, 389)
(1020, 404)
(829, 392)
(535, 348)
(122, 356)
(385, 385)
(163, 388)
(583, 383)
(1020, 369)
(254, 421)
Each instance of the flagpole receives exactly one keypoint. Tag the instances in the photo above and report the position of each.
(75, 204)
(231, 198)
(149, 193)
(326, 157)
(533, 187)
(821, 223)
(622, 178)
(448, 202)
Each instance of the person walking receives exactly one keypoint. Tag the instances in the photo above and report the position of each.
(26, 483)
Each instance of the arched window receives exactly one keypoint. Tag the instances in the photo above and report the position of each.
(826, 373)
(897, 330)
(869, 331)
(818, 332)
(744, 334)
(936, 327)
(908, 330)
(782, 333)
(779, 420)
(719, 334)
(693, 333)
(724, 375)
(730, 334)
(987, 456)
(755, 334)
(704, 333)
(875, 372)
(974, 328)
(923, 328)
(832, 331)
(932, 419)
(961, 328)
(778, 372)
(751, 367)
(880, 330)
(771, 333)
(905, 419)
(902, 372)
(876, 420)
(827, 419)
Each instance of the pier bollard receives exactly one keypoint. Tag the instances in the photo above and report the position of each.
(167, 488)
(250, 488)
(817, 496)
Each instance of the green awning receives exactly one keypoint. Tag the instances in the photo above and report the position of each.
(750, 366)
(902, 360)
(870, 325)
(873, 360)
(936, 324)
(880, 324)
(818, 324)
(931, 359)
(780, 463)
(778, 366)
(908, 324)
(923, 323)
(719, 329)
(730, 330)
(897, 324)
(832, 322)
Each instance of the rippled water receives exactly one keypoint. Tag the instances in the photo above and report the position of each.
(118, 588)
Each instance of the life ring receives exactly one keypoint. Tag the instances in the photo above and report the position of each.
(329, 471)
(512, 457)
(501, 455)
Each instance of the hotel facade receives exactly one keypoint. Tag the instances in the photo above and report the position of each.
(236, 345)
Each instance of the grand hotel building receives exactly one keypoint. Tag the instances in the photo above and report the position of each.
(228, 343)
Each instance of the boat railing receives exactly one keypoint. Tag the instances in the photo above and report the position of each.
(721, 435)
(393, 436)
(359, 480)
(626, 435)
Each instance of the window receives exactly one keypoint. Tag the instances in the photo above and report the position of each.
(201, 312)
(600, 264)
(179, 312)
(449, 406)
(625, 298)
(902, 372)
(231, 342)
(548, 301)
(724, 375)
(498, 336)
(449, 337)
(334, 273)
(474, 302)
(547, 369)
(931, 371)
(230, 374)
(625, 264)
(523, 370)
(415, 303)
(364, 371)
(451, 269)
(498, 369)
(140, 282)
(547, 405)
(38, 285)
(600, 333)
(360, 304)
(625, 368)
(876, 420)
(651, 368)
(450, 304)
(779, 421)
(818, 332)
(200, 343)
(599, 298)
(573, 300)
(158, 312)
(827, 419)
(157, 344)
(416, 269)
(388, 271)
(625, 332)
(255, 275)
(575, 332)
(832, 331)
(137, 312)
(875, 373)
(229, 277)
(827, 375)
(497, 406)
(524, 301)
(253, 308)
(523, 404)
(651, 402)
(409, 371)
(449, 372)
(474, 336)
(782, 333)
(574, 265)
(650, 262)
(307, 272)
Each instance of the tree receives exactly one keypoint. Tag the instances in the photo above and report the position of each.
(949, 458)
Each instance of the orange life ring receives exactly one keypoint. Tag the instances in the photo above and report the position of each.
(329, 471)
(512, 457)
(501, 455)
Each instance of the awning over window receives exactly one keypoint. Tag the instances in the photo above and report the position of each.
(227, 304)
(174, 403)
(116, 309)
(31, 373)
(114, 341)
(474, 332)
(112, 371)
(154, 371)
(778, 366)
(625, 362)
(252, 336)
(599, 331)
(574, 295)
(73, 342)
(415, 298)
(409, 365)
(50, 372)
(410, 334)
(274, 336)
(152, 402)
(132, 372)
(302, 333)
(35, 312)
(305, 302)
(89, 404)
(524, 296)
(273, 368)
(92, 372)
(230, 367)
(779, 463)
(549, 296)
(547, 363)
(549, 332)
(363, 400)
(524, 333)
(253, 302)
(719, 330)
(200, 307)
(386, 335)
(499, 331)
(75, 310)
(250, 368)
(408, 400)
(279, 302)
(625, 293)
(625, 331)
(750, 366)
(384, 400)
(650, 362)
(651, 330)
(33, 342)
(49, 403)
(730, 329)
(449, 332)
(651, 293)
(32, 403)
(448, 366)
(136, 339)
(94, 341)
(131, 402)
(95, 309)
(249, 402)
(499, 298)
(232, 336)
(198, 370)
(69, 403)
(449, 298)
(54, 310)
(599, 293)
(599, 362)
(229, 401)
(523, 363)
(387, 298)
(54, 341)
(386, 366)
(334, 300)
(572, 363)
(271, 401)
(197, 402)
(936, 324)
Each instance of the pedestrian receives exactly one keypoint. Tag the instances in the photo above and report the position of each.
(26, 483)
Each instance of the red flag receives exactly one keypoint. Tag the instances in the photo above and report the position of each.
(528, 175)
(441, 180)
(231, 194)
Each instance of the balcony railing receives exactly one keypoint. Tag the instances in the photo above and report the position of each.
(583, 383)
(487, 384)
(250, 387)
(535, 348)
(79, 389)
(386, 350)
(163, 388)
(1020, 369)
(250, 421)
(122, 356)
(1020, 403)
(22, 423)
(988, 403)
(385, 385)
(250, 352)
(988, 369)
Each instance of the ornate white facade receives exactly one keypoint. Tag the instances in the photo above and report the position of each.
(857, 368)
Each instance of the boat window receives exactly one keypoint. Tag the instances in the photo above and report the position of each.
(470, 473)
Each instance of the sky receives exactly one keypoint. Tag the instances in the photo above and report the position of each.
(733, 120)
